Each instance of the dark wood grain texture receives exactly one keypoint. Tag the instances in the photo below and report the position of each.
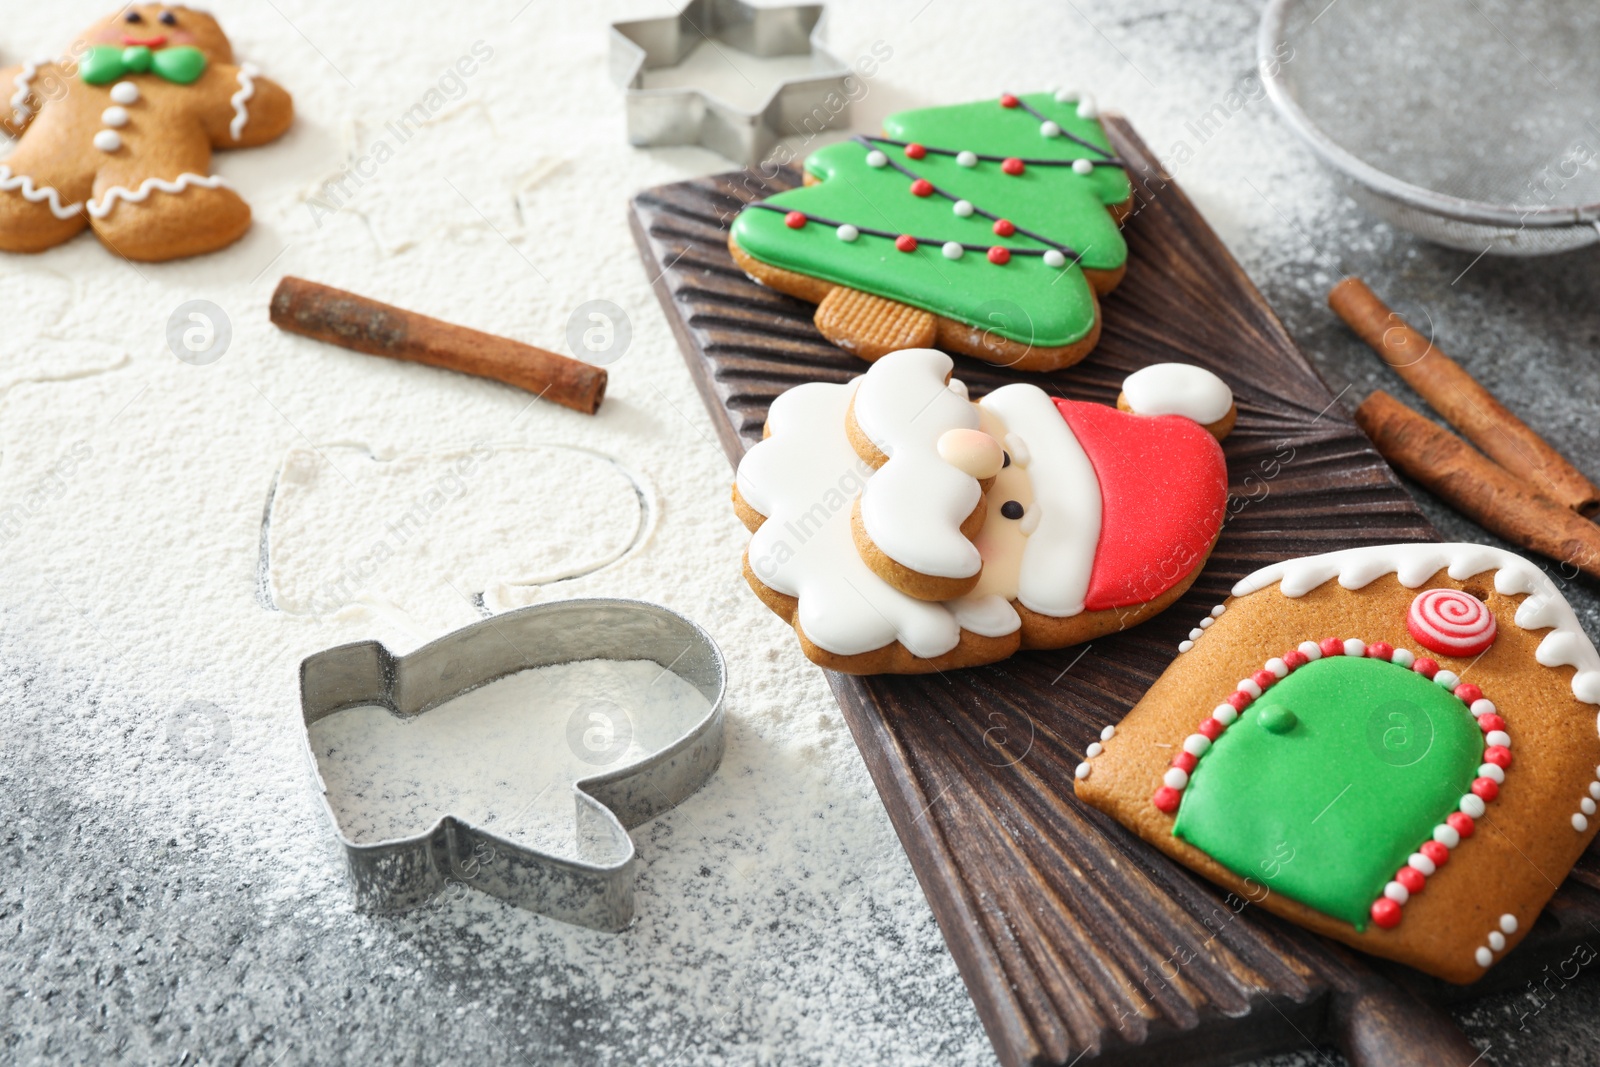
(1078, 943)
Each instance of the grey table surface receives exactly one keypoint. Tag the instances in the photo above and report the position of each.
(129, 937)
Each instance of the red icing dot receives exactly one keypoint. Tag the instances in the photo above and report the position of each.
(906, 243)
(915, 151)
(1008, 100)
(1499, 755)
(1425, 667)
(1239, 699)
(1211, 728)
(1331, 646)
(1004, 227)
(1166, 799)
(1185, 761)
(1439, 854)
(1295, 659)
(795, 219)
(999, 256)
(922, 187)
(1411, 878)
(1386, 913)
(1380, 650)
(1264, 678)
(1489, 723)
(1461, 823)
(1468, 693)
(1486, 788)
(1012, 166)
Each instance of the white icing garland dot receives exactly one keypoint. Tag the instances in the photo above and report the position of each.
(962, 208)
(1483, 707)
(1448, 679)
(1421, 863)
(1054, 258)
(1397, 892)
(876, 158)
(1248, 685)
(1498, 737)
(1310, 650)
(1082, 167)
(1403, 656)
(1492, 771)
(1049, 129)
(953, 250)
(967, 159)
(125, 93)
(1278, 668)
(1224, 714)
(847, 232)
(1196, 744)
(1446, 836)
(1472, 804)
(1086, 107)
(1065, 96)
(1175, 778)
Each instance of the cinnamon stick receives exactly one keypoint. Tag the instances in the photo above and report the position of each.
(1491, 496)
(1465, 404)
(355, 322)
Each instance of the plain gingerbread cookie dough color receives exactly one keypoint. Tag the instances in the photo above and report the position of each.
(1395, 747)
(120, 141)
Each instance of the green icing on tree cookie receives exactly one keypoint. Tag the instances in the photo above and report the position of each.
(1326, 810)
(1066, 210)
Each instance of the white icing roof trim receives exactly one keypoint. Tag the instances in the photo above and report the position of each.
(1566, 645)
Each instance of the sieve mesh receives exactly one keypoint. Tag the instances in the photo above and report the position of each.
(1472, 123)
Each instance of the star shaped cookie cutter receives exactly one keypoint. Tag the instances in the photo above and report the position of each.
(594, 890)
(687, 115)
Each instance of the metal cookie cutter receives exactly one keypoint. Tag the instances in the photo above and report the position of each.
(596, 890)
(680, 116)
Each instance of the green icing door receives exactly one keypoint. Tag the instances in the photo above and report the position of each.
(1328, 782)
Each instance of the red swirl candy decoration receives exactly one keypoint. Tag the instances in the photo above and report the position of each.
(1451, 623)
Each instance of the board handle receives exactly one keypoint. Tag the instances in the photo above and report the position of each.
(1378, 1024)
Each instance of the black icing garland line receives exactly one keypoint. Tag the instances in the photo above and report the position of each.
(1108, 160)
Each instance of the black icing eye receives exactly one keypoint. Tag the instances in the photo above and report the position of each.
(1007, 462)
(1011, 509)
(134, 16)
(168, 19)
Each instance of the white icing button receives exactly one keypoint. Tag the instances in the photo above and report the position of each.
(1050, 129)
(1446, 836)
(1586, 806)
(1397, 892)
(1422, 863)
(1184, 646)
(1206, 622)
(1404, 657)
(1249, 685)
(1579, 823)
(1355, 648)
(1065, 96)
(1472, 804)
(125, 93)
(1108, 733)
(1196, 634)
(1082, 167)
(1053, 258)
(1594, 790)
(1094, 750)
(876, 158)
(1508, 923)
(108, 140)
(1494, 772)
(114, 116)
(1448, 679)
(962, 208)
(1196, 744)
(1216, 612)
(847, 232)
(1497, 737)
(1483, 956)
(1086, 108)
(1482, 707)
(1310, 650)
(1175, 778)
(1225, 714)
(967, 159)
(953, 250)
(1497, 941)
(1082, 772)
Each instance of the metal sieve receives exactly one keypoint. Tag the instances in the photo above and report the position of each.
(1471, 123)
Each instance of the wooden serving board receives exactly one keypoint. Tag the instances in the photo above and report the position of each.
(1079, 944)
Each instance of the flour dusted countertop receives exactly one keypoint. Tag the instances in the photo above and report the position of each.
(168, 890)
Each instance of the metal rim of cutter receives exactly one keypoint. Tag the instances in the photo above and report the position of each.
(595, 890)
(684, 115)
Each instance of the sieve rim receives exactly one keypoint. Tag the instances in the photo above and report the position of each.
(1271, 32)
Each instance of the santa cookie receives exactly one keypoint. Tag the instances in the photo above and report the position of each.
(901, 527)
(123, 143)
(1394, 746)
(988, 229)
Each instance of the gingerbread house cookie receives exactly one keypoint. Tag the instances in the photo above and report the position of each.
(1396, 747)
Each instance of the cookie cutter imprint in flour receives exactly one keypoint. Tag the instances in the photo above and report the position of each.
(595, 890)
(686, 115)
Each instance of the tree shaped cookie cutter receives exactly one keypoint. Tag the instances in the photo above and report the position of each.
(595, 890)
(687, 115)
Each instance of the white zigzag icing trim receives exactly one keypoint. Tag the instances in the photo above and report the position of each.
(100, 209)
(24, 83)
(247, 89)
(33, 194)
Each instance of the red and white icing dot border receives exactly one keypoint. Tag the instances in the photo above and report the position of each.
(1485, 953)
(1094, 749)
(1456, 827)
(1200, 631)
(1586, 805)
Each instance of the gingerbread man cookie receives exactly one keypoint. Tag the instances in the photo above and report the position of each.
(122, 143)
(901, 527)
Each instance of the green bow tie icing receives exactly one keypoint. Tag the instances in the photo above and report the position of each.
(106, 63)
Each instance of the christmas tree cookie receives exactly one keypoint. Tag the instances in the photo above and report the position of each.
(1396, 747)
(901, 527)
(988, 229)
